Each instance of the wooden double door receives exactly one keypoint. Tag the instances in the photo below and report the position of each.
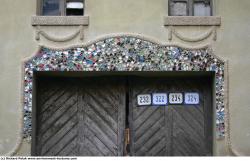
(88, 117)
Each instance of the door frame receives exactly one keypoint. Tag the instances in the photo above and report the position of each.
(150, 74)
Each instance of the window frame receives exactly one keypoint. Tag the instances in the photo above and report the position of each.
(190, 6)
(62, 7)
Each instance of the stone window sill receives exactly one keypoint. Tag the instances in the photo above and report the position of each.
(192, 21)
(60, 20)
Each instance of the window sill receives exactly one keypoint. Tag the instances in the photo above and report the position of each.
(60, 20)
(192, 21)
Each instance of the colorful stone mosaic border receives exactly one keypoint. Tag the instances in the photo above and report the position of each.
(125, 53)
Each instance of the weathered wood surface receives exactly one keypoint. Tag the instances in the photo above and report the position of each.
(80, 117)
(175, 130)
(86, 117)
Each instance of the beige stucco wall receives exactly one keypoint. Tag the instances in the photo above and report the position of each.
(145, 17)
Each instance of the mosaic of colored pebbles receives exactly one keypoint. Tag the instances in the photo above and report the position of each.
(124, 54)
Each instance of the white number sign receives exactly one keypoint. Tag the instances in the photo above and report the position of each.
(144, 99)
(160, 99)
(192, 98)
(175, 98)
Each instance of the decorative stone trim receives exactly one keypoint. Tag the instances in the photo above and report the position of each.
(124, 53)
(139, 36)
(202, 37)
(61, 39)
(192, 21)
(59, 20)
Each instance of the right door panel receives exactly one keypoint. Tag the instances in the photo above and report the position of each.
(172, 130)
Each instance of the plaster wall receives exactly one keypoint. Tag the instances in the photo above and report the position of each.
(145, 17)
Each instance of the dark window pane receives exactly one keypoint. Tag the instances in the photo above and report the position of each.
(178, 9)
(74, 8)
(202, 9)
(51, 7)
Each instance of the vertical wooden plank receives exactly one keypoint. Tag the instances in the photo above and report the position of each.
(121, 104)
(131, 118)
(81, 116)
(168, 131)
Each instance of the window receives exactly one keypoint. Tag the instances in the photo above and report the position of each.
(62, 7)
(190, 8)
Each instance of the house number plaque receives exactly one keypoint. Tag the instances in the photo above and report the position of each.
(144, 99)
(160, 99)
(192, 98)
(175, 98)
(189, 98)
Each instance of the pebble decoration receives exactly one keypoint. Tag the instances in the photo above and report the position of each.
(124, 53)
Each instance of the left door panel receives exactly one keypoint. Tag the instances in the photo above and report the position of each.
(79, 117)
